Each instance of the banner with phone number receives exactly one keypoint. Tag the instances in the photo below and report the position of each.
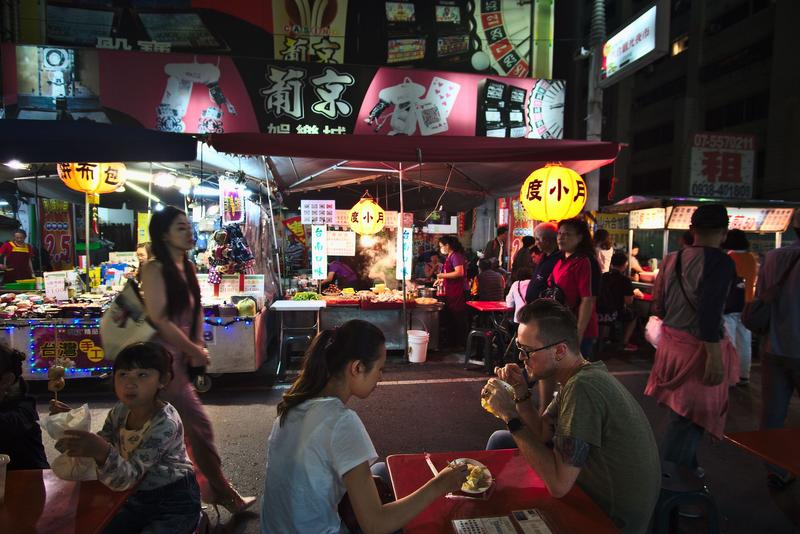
(81, 346)
(56, 233)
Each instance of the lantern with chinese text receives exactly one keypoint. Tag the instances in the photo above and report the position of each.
(553, 193)
(92, 179)
(366, 217)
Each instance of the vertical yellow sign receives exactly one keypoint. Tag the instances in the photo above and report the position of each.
(142, 224)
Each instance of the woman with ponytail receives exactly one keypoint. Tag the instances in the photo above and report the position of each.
(172, 298)
(319, 449)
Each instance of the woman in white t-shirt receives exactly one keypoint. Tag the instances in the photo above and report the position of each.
(516, 294)
(319, 449)
(604, 248)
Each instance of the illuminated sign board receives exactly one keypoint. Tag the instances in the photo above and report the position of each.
(636, 45)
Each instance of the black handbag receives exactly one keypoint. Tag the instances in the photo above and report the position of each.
(757, 313)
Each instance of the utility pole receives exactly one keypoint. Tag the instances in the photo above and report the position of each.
(594, 104)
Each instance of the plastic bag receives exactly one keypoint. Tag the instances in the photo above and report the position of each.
(68, 467)
(652, 331)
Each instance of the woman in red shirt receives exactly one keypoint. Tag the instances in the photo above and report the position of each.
(577, 274)
(17, 255)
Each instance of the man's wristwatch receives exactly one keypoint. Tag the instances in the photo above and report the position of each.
(514, 425)
(525, 397)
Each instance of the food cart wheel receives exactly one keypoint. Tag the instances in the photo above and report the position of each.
(202, 383)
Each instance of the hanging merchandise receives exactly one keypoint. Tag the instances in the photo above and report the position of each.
(231, 254)
(367, 217)
(231, 201)
(553, 193)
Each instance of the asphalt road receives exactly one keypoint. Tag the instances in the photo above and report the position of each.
(435, 407)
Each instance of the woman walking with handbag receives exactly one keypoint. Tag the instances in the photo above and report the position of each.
(172, 298)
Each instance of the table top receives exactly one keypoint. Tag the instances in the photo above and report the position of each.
(38, 501)
(298, 305)
(490, 305)
(776, 445)
(517, 487)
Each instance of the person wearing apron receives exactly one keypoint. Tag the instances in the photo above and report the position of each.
(454, 282)
(17, 255)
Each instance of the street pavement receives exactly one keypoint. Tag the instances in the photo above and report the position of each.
(435, 407)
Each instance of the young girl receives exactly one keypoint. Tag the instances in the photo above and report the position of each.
(21, 437)
(319, 449)
(141, 443)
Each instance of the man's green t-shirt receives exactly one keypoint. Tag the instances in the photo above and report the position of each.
(622, 473)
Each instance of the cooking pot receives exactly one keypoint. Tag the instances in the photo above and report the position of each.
(426, 292)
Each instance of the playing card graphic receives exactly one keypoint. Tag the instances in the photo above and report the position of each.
(410, 110)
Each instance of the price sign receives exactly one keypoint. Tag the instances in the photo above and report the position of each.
(341, 243)
(55, 285)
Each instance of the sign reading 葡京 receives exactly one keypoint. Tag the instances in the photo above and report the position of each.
(319, 252)
(722, 165)
(341, 243)
(318, 211)
(404, 254)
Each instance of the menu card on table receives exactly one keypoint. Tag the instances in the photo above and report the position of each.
(528, 521)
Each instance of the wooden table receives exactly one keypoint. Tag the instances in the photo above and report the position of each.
(38, 501)
(517, 487)
(777, 446)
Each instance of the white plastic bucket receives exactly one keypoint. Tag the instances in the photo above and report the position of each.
(418, 346)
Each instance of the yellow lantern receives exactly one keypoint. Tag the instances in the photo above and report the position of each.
(366, 217)
(553, 193)
(92, 178)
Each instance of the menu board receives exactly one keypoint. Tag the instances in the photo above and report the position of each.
(317, 212)
(746, 219)
(681, 217)
(341, 243)
(776, 220)
(341, 218)
(649, 219)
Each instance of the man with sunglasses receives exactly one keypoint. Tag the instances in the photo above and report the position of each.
(594, 433)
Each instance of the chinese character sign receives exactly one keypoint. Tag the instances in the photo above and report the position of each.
(318, 211)
(367, 217)
(56, 232)
(231, 201)
(404, 254)
(722, 165)
(341, 243)
(553, 193)
(319, 252)
(92, 178)
(80, 347)
(309, 31)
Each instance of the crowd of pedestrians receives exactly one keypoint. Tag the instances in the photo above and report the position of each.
(321, 470)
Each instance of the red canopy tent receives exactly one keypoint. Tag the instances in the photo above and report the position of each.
(468, 165)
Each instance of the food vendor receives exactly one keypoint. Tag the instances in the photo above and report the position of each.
(454, 282)
(341, 274)
(17, 258)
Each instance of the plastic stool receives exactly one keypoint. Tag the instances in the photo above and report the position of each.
(680, 486)
(484, 334)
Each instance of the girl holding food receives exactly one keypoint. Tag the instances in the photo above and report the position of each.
(319, 449)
